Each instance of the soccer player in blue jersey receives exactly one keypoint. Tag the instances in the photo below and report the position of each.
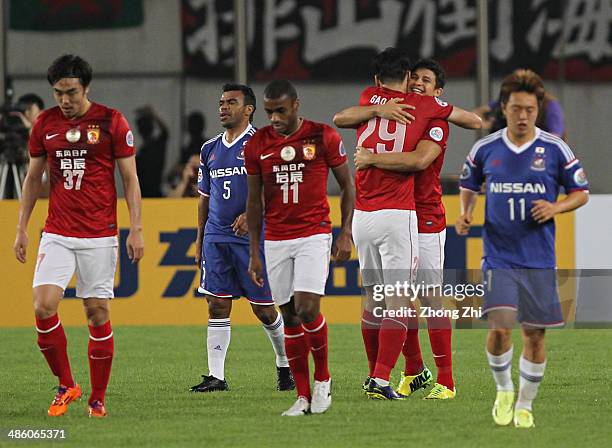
(523, 168)
(222, 244)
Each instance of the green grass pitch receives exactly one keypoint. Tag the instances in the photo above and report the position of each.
(149, 405)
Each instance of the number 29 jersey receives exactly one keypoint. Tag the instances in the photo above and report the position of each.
(294, 172)
(515, 177)
(81, 157)
(378, 189)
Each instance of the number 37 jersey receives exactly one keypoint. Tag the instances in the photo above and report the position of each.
(81, 157)
(294, 172)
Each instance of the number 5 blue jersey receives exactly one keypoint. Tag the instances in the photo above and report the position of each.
(222, 177)
(515, 177)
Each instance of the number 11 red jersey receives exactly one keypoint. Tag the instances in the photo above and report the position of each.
(294, 173)
(378, 189)
(81, 157)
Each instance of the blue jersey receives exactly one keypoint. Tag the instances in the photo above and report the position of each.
(515, 177)
(222, 177)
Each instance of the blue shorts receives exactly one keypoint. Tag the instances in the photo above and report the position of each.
(225, 274)
(531, 292)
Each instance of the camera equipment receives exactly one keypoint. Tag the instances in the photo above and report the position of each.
(13, 142)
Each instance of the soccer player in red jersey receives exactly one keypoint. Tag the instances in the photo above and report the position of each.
(427, 78)
(287, 165)
(385, 224)
(79, 141)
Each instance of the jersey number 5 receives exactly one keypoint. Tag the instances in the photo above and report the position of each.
(227, 192)
(397, 137)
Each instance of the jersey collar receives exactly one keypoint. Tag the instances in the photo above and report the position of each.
(228, 144)
(519, 149)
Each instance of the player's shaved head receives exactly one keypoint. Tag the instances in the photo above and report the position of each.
(522, 80)
(70, 66)
(279, 88)
(391, 65)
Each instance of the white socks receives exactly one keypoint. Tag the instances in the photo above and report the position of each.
(530, 379)
(276, 334)
(501, 367)
(217, 342)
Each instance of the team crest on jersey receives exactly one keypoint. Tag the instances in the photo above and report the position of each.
(539, 150)
(287, 153)
(466, 172)
(580, 177)
(73, 135)
(538, 163)
(310, 150)
(93, 134)
(240, 155)
(436, 133)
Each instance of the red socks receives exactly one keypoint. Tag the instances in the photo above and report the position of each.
(316, 334)
(297, 348)
(52, 343)
(440, 335)
(370, 327)
(412, 348)
(390, 341)
(100, 353)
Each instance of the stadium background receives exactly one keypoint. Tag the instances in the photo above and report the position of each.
(174, 55)
(323, 45)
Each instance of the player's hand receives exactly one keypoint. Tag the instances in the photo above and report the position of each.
(135, 245)
(364, 158)
(543, 211)
(343, 246)
(463, 224)
(396, 111)
(20, 246)
(239, 226)
(256, 270)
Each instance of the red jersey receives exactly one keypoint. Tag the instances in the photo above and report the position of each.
(294, 174)
(379, 189)
(81, 157)
(427, 189)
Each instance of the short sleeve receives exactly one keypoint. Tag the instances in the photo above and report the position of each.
(472, 175)
(203, 173)
(437, 108)
(35, 143)
(335, 153)
(122, 136)
(437, 132)
(251, 154)
(573, 177)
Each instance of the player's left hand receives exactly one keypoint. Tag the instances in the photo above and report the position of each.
(343, 246)
(543, 211)
(239, 226)
(256, 271)
(135, 245)
(363, 158)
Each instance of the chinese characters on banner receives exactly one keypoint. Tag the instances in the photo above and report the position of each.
(336, 39)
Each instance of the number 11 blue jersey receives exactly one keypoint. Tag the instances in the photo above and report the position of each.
(514, 178)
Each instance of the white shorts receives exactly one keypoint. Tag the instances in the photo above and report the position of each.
(300, 264)
(93, 259)
(387, 243)
(431, 258)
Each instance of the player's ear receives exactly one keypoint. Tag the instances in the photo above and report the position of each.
(249, 109)
(296, 104)
(439, 91)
